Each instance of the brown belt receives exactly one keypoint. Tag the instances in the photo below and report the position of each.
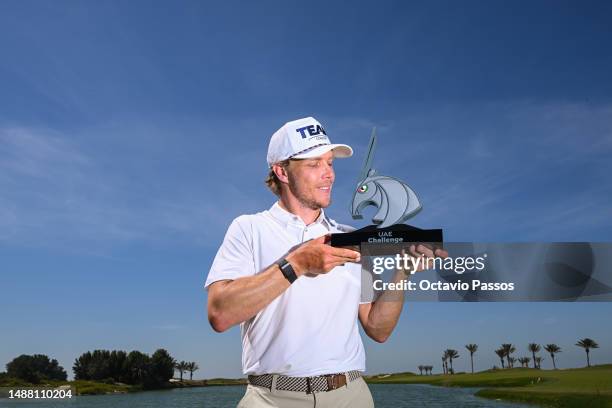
(308, 385)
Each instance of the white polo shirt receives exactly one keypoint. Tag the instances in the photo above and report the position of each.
(311, 328)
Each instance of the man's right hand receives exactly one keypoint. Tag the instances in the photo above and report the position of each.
(317, 257)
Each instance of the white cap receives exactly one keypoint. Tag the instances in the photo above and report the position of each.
(303, 139)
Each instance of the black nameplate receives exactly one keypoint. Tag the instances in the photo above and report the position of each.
(394, 234)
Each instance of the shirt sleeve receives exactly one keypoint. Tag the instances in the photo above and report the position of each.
(234, 258)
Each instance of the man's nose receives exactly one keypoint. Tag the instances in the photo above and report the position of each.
(329, 174)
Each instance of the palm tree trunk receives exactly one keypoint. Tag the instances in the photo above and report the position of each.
(534, 362)
(191, 375)
(553, 359)
(472, 359)
(588, 361)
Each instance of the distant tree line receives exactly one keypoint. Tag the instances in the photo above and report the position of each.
(425, 368)
(134, 368)
(35, 369)
(507, 360)
(116, 366)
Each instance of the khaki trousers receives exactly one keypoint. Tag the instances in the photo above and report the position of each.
(354, 394)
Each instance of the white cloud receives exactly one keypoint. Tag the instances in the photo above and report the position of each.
(58, 193)
(492, 170)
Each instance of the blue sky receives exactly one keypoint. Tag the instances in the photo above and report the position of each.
(132, 133)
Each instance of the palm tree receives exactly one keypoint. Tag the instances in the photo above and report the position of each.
(472, 349)
(501, 354)
(508, 350)
(511, 361)
(553, 349)
(527, 360)
(538, 361)
(191, 367)
(587, 344)
(444, 365)
(421, 369)
(523, 361)
(452, 354)
(429, 368)
(181, 367)
(534, 348)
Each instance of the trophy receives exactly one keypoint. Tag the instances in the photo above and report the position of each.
(396, 203)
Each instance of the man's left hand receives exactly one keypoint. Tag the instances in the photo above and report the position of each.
(425, 251)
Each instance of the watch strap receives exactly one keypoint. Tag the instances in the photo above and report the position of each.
(287, 270)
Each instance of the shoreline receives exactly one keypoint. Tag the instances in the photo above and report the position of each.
(563, 388)
(86, 387)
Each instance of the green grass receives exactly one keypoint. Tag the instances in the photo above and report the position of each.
(579, 387)
(80, 387)
(94, 388)
(13, 382)
(226, 381)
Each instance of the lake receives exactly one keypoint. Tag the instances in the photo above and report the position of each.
(385, 396)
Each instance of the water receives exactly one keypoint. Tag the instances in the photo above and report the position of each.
(429, 396)
(385, 396)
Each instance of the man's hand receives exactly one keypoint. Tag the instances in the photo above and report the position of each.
(380, 317)
(317, 257)
(425, 251)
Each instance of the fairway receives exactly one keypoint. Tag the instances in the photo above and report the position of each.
(579, 387)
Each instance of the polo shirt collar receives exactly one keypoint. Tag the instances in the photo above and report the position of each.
(286, 218)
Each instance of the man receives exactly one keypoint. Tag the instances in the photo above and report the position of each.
(296, 298)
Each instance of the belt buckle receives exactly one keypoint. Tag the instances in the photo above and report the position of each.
(333, 381)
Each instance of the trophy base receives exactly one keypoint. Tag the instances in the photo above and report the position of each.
(395, 234)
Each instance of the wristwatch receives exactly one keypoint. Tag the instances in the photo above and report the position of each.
(287, 270)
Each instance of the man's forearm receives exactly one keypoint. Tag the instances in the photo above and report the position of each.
(233, 302)
(385, 311)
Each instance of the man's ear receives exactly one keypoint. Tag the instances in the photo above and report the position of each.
(281, 172)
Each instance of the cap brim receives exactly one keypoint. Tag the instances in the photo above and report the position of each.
(341, 151)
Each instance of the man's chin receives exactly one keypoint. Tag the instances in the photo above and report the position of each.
(316, 205)
(325, 203)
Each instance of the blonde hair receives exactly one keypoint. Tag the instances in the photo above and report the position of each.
(272, 181)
